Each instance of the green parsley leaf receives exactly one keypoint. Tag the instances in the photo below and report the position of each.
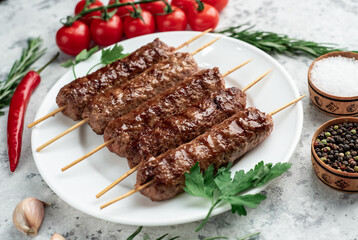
(68, 63)
(200, 185)
(276, 171)
(84, 54)
(113, 54)
(238, 203)
(221, 187)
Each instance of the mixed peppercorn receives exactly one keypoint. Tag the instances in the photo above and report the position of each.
(337, 146)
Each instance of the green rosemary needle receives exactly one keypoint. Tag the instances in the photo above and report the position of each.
(273, 43)
(18, 71)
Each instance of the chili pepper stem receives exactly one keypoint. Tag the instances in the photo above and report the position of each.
(48, 63)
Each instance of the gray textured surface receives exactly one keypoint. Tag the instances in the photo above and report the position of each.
(298, 205)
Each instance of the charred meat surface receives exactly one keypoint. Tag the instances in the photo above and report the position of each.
(126, 129)
(78, 94)
(186, 125)
(222, 144)
(117, 101)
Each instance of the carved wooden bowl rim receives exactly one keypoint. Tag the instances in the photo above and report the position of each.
(318, 160)
(332, 54)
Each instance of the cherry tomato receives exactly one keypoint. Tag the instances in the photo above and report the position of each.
(218, 4)
(153, 7)
(174, 21)
(134, 27)
(73, 39)
(185, 5)
(106, 33)
(201, 21)
(122, 11)
(87, 18)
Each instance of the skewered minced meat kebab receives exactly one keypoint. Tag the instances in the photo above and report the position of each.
(125, 130)
(117, 101)
(78, 94)
(186, 125)
(222, 144)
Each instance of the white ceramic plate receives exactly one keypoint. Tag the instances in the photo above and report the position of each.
(79, 185)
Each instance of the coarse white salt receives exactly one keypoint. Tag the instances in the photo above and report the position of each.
(337, 76)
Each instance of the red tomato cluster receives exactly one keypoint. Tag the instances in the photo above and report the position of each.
(150, 17)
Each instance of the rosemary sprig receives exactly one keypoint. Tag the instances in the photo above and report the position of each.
(274, 43)
(163, 237)
(18, 70)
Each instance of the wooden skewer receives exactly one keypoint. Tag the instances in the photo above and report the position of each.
(193, 39)
(53, 113)
(124, 176)
(87, 155)
(127, 194)
(205, 46)
(237, 67)
(285, 106)
(62, 134)
(127, 174)
(137, 189)
(256, 81)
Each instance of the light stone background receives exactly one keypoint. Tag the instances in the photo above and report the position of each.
(298, 205)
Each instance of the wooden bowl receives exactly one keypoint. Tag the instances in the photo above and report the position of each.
(333, 105)
(341, 181)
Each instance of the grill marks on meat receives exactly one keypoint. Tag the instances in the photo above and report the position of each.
(125, 130)
(187, 125)
(78, 94)
(117, 101)
(222, 144)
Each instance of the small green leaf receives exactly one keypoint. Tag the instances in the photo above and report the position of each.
(238, 203)
(194, 183)
(277, 170)
(84, 54)
(67, 64)
(223, 182)
(113, 54)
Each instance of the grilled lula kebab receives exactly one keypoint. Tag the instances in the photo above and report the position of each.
(188, 124)
(122, 131)
(117, 101)
(162, 178)
(183, 127)
(75, 96)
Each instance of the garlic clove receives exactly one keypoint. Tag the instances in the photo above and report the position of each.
(28, 216)
(57, 236)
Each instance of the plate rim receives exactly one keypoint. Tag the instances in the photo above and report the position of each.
(225, 207)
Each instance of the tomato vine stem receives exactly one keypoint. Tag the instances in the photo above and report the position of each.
(71, 19)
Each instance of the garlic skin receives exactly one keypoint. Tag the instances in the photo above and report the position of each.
(57, 236)
(28, 216)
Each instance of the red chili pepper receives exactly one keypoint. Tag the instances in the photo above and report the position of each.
(18, 105)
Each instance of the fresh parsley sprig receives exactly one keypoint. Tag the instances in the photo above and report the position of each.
(273, 43)
(108, 56)
(82, 56)
(220, 187)
(18, 70)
